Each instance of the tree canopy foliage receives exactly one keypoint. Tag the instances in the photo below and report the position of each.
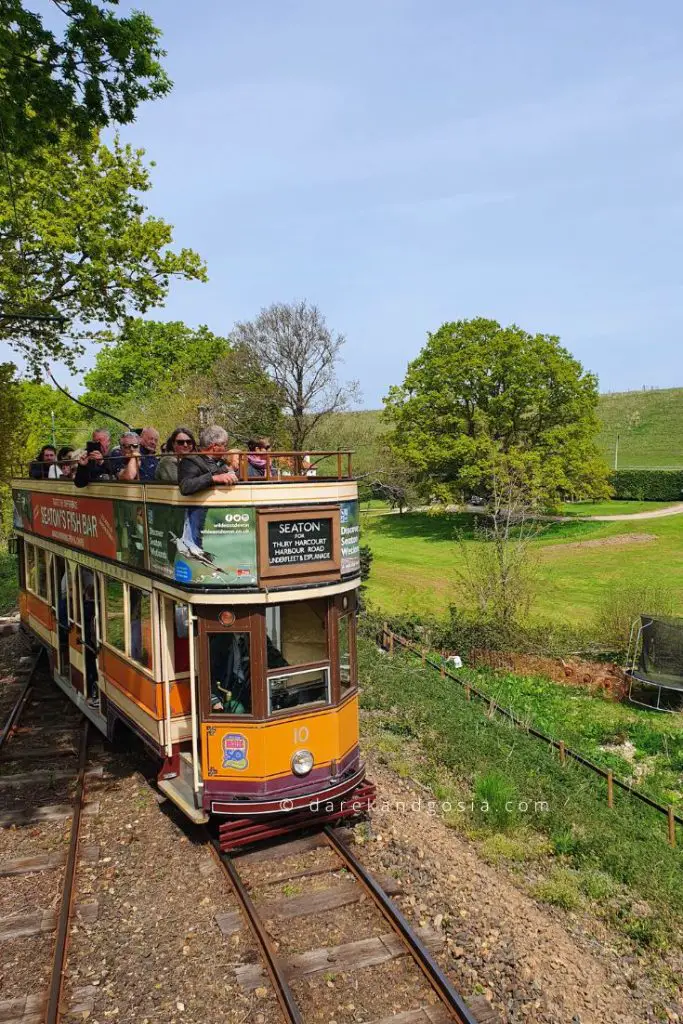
(76, 243)
(298, 350)
(93, 73)
(483, 400)
(146, 356)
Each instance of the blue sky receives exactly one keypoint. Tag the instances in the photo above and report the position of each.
(404, 162)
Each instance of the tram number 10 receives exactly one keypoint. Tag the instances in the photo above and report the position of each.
(301, 734)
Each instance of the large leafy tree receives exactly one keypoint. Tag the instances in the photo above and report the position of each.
(93, 71)
(481, 401)
(77, 244)
(148, 356)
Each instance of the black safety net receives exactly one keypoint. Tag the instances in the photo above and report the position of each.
(661, 651)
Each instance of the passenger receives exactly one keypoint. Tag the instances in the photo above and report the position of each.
(197, 472)
(205, 468)
(40, 467)
(181, 442)
(63, 467)
(125, 460)
(93, 464)
(256, 459)
(149, 446)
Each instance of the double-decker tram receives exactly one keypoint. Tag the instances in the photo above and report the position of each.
(219, 627)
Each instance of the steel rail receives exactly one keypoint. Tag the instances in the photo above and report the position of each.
(283, 991)
(66, 908)
(452, 999)
(16, 712)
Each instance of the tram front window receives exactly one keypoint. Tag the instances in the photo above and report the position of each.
(297, 642)
(230, 668)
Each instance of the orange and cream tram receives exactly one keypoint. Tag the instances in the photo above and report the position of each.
(219, 627)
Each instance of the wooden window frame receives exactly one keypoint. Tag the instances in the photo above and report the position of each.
(105, 642)
(251, 621)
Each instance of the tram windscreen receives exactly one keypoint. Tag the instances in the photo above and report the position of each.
(230, 668)
(296, 646)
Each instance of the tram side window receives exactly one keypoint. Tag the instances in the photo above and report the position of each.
(75, 593)
(345, 660)
(230, 668)
(31, 570)
(115, 617)
(140, 615)
(297, 651)
(42, 574)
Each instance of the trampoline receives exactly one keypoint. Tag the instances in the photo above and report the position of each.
(654, 663)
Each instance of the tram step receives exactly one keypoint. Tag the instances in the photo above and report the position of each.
(182, 795)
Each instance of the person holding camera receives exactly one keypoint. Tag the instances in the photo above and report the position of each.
(94, 462)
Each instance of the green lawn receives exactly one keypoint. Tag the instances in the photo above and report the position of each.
(612, 508)
(416, 558)
(650, 428)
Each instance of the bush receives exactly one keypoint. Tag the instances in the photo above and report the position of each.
(648, 484)
(627, 602)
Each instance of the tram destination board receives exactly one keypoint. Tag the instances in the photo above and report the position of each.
(303, 545)
(300, 541)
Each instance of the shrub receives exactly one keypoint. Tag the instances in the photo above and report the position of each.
(625, 603)
(560, 888)
(648, 484)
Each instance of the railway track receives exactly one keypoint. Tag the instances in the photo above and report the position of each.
(353, 883)
(28, 737)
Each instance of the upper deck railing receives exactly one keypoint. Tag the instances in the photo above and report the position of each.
(281, 466)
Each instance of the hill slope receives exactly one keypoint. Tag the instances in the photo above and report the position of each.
(649, 424)
(650, 428)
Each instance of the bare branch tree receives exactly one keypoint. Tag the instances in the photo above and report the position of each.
(293, 343)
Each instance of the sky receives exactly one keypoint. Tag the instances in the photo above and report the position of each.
(406, 162)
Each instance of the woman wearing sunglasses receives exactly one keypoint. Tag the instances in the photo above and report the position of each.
(181, 442)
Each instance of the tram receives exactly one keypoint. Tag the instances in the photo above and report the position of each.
(231, 654)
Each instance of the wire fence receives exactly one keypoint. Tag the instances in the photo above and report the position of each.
(391, 639)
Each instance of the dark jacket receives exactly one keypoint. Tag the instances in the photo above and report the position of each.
(195, 472)
(92, 472)
(38, 470)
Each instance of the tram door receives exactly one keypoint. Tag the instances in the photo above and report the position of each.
(87, 627)
(60, 587)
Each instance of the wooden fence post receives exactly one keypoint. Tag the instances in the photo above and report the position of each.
(424, 657)
(443, 671)
(492, 707)
(610, 788)
(672, 826)
(468, 692)
(562, 753)
(391, 644)
(385, 635)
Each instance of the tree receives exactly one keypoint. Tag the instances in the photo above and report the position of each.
(76, 243)
(479, 392)
(295, 346)
(13, 428)
(148, 356)
(242, 397)
(92, 75)
(500, 569)
(39, 402)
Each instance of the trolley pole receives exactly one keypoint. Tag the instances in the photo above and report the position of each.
(54, 436)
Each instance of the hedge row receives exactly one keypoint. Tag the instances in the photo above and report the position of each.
(648, 484)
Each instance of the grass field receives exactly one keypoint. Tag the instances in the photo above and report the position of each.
(416, 558)
(520, 804)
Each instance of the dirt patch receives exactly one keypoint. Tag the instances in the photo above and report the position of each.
(621, 540)
(598, 676)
